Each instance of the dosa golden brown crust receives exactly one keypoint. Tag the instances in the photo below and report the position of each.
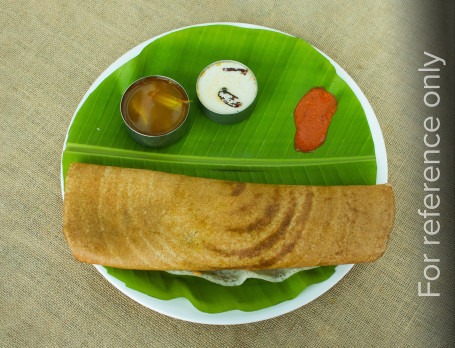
(142, 219)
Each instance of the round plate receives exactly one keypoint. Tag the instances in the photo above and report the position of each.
(181, 308)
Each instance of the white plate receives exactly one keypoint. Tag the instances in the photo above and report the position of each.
(181, 308)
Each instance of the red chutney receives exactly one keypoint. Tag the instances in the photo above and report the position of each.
(312, 117)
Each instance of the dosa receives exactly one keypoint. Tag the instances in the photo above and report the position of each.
(149, 220)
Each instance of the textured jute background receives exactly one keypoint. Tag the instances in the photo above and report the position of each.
(52, 51)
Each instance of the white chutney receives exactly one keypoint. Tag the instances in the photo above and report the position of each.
(226, 87)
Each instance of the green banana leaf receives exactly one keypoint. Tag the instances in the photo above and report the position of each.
(209, 297)
(259, 149)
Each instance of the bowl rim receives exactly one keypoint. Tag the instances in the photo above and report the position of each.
(147, 135)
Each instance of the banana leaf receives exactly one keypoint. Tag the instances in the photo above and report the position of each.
(258, 150)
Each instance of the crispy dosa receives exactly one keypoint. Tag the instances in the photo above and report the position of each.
(149, 220)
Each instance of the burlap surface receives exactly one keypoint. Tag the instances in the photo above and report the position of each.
(52, 51)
